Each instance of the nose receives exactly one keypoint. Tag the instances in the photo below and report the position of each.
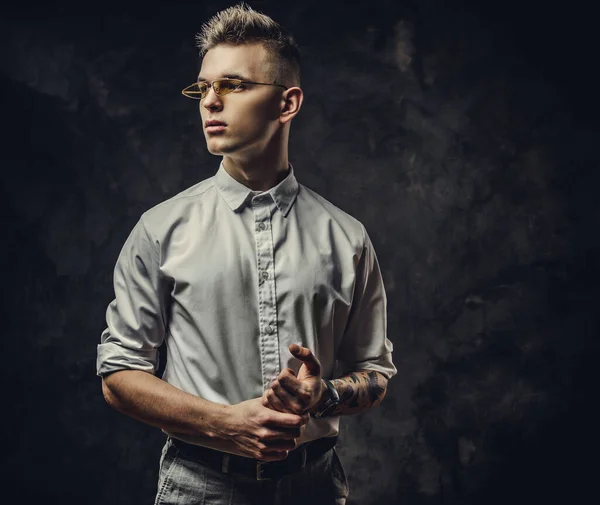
(211, 101)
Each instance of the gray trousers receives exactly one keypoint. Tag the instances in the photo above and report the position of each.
(183, 481)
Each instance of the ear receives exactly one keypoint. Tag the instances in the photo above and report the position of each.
(291, 102)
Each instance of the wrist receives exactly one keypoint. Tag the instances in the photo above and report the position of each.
(217, 421)
(322, 398)
(330, 399)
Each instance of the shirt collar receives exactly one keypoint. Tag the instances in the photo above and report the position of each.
(237, 194)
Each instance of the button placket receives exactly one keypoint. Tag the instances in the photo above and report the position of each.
(267, 305)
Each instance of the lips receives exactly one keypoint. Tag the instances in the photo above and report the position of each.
(214, 126)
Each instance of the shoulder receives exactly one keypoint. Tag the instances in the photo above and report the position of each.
(325, 210)
(178, 207)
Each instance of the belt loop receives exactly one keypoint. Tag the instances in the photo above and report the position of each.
(225, 464)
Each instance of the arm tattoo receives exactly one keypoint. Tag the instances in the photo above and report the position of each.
(376, 389)
(359, 391)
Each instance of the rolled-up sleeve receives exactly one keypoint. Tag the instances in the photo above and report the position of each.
(136, 318)
(365, 345)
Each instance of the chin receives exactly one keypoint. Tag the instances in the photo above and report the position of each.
(212, 150)
(219, 146)
(214, 147)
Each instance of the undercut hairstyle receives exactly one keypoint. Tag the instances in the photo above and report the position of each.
(240, 24)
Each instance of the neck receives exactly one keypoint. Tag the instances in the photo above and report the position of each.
(257, 174)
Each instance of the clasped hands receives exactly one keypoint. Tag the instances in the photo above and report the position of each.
(296, 394)
(268, 427)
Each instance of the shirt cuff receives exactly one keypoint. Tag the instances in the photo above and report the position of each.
(383, 365)
(113, 357)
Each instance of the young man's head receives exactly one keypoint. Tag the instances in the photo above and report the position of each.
(254, 116)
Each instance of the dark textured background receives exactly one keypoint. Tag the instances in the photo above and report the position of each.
(463, 136)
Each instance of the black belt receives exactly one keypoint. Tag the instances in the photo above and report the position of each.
(253, 468)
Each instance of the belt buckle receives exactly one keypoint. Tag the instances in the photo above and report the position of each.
(259, 471)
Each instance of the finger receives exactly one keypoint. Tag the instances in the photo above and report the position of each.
(274, 450)
(284, 419)
(273, 435)
(287, 371)
(291, 402)
(305, 355)
(272, 456)
(289, 382)
(276, 444)
(293, 394)
(273, 401)
(264, 401)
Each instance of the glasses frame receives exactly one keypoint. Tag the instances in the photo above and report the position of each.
(199, 96)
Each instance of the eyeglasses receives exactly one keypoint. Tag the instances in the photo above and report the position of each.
(221, 87)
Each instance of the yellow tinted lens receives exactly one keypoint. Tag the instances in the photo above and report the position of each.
(195, 90)
(202, 88)
(225, 86)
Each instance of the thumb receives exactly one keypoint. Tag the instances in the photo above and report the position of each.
(305, 355)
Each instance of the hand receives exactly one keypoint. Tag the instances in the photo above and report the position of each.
(261, 433)
(296, 394)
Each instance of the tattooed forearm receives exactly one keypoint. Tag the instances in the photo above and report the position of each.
(376, 387)
(359, 391)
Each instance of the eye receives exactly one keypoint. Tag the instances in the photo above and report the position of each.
(227, 85)
(236, 86)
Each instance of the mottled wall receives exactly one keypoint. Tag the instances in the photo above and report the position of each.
(464, 139)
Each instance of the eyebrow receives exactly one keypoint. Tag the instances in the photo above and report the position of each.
(227, 76)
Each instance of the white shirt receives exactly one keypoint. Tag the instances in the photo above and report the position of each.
(229, 277)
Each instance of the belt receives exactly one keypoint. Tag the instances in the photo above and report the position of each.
(253, 468)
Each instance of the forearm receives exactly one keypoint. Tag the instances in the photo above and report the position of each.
(153, 401)
(359, 391)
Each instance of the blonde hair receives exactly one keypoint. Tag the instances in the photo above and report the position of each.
(240, 24)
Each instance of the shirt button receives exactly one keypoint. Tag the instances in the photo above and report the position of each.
(269, 329)
(262, 226)
(265, 275)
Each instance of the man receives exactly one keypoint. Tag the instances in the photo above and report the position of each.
(262, 291)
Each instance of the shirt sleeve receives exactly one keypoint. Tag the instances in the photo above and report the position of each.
(136, 318)
(365, 345)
